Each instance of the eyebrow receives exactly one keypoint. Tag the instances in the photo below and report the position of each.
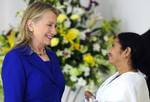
(51, 22)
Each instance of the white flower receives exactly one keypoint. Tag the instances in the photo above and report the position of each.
(67, 68)
(82, 35)
(75, 72)
(94, 38)
(66, 53)
(79, 11)
(1, 44)
(73, 78)
(106, 38)
(104, 52)
(91, 86)
(84, 49)
(69, 9)
(67, 23)
(93, 21)
(86, 70)
(85, 3)
(59, 53)
(96, 47)
(81, 82)
(86, 74)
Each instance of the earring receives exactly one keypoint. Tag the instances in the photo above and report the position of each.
(31, 30)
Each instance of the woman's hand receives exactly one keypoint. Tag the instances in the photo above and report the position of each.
(88, 95)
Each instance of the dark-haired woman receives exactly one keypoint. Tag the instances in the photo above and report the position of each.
(129, 83)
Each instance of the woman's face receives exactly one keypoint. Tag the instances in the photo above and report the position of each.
(44, 28)
(115, 53)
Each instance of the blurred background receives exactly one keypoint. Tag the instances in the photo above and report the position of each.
(85, 32)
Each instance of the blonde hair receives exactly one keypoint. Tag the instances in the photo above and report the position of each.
(34, 13)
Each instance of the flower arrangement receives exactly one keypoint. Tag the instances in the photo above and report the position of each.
(81, 43)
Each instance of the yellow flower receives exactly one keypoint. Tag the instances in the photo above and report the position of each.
(61, 18)
(74, 17)
(11, 39)
(72, 34)
(88, 58)
(54, 42)
(5, 49)
(61, 30)
(76, 46)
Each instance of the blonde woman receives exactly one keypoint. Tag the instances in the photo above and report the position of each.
(30, 71)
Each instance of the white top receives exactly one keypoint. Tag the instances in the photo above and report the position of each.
(127, 87)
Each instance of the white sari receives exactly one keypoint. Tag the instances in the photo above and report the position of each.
(128, 87)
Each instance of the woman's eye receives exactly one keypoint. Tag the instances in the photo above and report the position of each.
(55, 26)
(113, 45)
(49, 25)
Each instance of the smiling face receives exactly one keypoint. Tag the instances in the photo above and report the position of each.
(44, 28)
(115, 53)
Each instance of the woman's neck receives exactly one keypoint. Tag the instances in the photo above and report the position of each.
(37, 47)
(123, 68)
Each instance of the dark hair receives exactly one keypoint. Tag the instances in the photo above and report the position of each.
(139, 53)
(146, 51)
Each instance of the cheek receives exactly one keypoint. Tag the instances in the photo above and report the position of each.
(40, 32)
(112, 55)
(39, 28)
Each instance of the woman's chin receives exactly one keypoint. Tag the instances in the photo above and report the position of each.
(47, 42)
(110, 61)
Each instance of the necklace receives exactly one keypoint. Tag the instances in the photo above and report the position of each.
(41, 53)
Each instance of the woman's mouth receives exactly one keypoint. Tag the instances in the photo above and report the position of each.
(109, 55)
(49, 36)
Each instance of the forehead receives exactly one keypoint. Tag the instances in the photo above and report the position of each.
(49, 16)
(116, 40)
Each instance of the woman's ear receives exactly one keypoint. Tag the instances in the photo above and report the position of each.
(127, 52)
(30, 25)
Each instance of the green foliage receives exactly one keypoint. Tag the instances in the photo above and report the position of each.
(81, 43)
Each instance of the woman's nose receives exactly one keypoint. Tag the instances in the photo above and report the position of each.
(109, 51)
(53, 31)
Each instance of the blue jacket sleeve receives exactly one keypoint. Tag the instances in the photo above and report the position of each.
(13, 78)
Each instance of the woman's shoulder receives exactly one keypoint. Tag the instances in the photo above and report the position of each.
(12, 55)
(16, 51)
(132, 79)
(132, 75)
(12, 52)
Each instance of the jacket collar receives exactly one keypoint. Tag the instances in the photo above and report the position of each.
(27, 50)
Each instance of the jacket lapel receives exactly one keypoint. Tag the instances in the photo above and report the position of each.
(36, 62)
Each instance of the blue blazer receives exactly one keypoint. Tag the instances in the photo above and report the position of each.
(27, 78)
